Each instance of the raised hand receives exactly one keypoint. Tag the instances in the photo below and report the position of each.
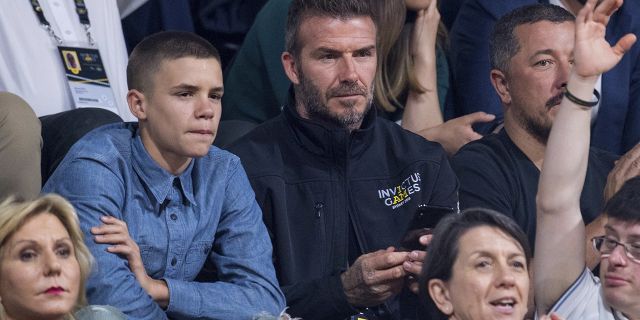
(424, 33)
(592, 53)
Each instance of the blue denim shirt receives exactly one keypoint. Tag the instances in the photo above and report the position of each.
(207, 214)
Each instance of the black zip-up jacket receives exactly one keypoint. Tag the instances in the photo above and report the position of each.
(312, 181)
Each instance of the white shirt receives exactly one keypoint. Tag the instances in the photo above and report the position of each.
(30, 65)
(583, 301)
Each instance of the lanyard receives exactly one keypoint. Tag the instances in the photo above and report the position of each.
(81, 11)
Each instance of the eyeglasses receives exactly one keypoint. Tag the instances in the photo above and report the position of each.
(605, 247)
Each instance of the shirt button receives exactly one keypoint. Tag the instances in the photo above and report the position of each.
(174, 217)
(174, 261)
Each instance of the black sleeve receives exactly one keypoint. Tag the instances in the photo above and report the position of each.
(318, 299)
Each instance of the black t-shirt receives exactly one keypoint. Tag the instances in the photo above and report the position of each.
(494, 173)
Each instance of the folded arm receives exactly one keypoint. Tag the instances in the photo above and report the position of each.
(111, 282)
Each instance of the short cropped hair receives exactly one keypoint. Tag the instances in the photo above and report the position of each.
(148, 55)
(504, 43)
(14, 214)
(299, 10)
(443, 250)
(625, 204)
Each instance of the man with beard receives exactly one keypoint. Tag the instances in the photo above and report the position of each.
(338, 185)
(531, 56)
(614, 117)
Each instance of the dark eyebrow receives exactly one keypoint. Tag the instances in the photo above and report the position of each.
(368, 48)
(544, 51)
(184, 86)
(217, 90)
(323, 50)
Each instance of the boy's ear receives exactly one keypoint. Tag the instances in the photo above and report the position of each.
(137, 104)
(289, 64)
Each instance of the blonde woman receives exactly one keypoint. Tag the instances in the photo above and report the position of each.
(44, 262)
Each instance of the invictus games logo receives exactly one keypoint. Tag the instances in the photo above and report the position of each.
(400, 194)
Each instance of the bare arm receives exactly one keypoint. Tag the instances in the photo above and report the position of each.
(560, 249)
(422, 110)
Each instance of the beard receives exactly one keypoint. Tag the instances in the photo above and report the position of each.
(317, 109)
(539, 126)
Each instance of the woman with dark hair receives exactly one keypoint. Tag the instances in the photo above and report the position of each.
(477, 268)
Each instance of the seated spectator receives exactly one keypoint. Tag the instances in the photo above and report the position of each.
(477, 268)
(183, 202)
(562, 282)
(413, 80)
(34, 34)
(530, 70)
(337, 184)
(44, 263)
(615, 122)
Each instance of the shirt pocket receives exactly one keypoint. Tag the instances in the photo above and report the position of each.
(153, 259)
(196, 256)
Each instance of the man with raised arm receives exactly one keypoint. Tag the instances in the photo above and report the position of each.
(563, 284)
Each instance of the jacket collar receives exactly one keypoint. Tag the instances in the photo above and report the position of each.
(329, 141)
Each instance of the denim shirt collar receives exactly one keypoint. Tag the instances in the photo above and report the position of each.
(157, 179)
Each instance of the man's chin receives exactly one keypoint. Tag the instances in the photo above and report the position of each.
(617, 297)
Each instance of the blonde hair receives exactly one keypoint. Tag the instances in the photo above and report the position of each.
(14, 214)
(396, 73)
(390, 15)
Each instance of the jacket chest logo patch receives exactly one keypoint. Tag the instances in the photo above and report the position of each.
(397, 196)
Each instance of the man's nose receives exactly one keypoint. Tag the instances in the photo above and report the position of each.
(618, 257)
(348, 70)
(562, 77)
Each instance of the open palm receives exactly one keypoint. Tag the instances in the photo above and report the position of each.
(593, 54)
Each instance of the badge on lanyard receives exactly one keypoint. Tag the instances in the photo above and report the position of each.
(87, 77)
(84, 69)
